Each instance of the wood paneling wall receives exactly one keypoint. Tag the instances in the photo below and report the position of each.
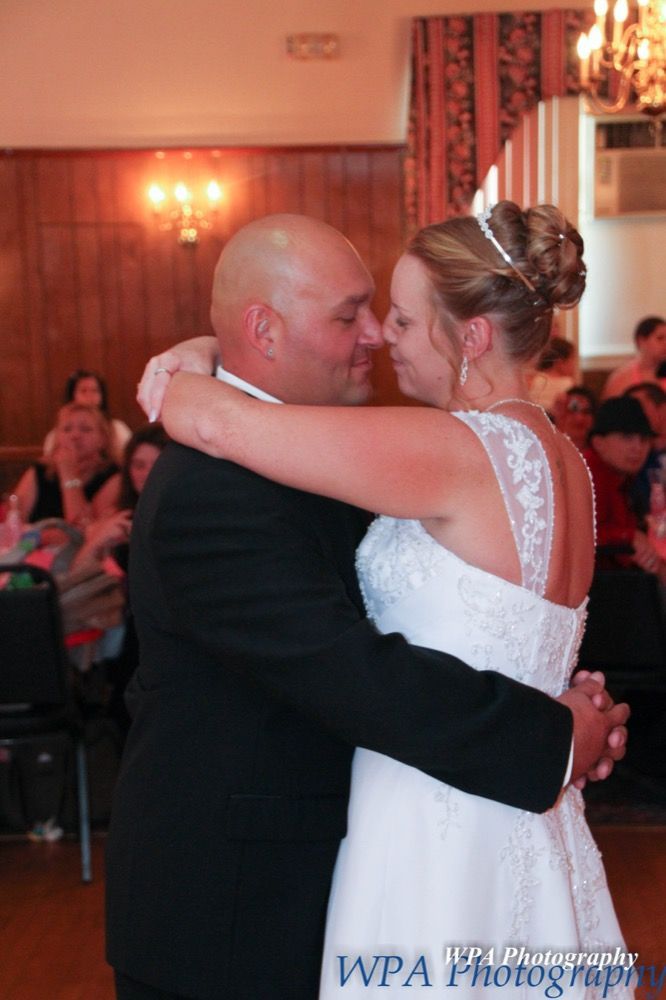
(88, 279)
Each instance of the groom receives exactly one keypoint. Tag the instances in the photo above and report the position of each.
(259, 672)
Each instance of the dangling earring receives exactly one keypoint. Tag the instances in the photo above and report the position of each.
(464, 370)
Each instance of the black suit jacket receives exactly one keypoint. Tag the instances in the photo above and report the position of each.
(258, 675)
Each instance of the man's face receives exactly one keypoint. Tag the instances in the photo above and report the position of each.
(329, 331)
(626, 453)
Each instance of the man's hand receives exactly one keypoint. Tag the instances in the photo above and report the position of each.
(600, 733)
(196, 355)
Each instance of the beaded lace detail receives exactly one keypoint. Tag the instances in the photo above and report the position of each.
(524, 477)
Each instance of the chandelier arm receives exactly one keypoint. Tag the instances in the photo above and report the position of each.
(637, 57)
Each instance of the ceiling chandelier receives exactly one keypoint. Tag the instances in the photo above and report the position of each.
(629, 58)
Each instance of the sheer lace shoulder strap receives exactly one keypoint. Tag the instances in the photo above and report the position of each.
(521, 467)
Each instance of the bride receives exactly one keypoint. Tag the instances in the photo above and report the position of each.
(484, 548)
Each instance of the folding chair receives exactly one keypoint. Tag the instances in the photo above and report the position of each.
(35, 694)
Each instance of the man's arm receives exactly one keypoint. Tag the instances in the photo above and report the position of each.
(248, 578)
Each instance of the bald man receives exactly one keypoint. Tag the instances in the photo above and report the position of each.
(259, 672)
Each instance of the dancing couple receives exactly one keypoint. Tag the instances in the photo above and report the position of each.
(279, 629)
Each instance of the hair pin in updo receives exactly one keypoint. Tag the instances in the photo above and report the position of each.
(484, 224)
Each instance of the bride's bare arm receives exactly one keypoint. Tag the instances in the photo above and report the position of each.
(199, 354)
(402, 461)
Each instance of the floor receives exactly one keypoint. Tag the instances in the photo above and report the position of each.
(51, 926)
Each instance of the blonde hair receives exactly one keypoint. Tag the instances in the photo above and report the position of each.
(470, 277)
(97, 417)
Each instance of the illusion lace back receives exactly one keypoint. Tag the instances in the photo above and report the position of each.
(425, 866)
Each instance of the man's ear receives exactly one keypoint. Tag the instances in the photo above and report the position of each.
(260, 326)
(477, 337)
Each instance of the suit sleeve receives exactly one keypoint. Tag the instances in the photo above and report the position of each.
(247, 578)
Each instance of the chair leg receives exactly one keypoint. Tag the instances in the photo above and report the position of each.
(84, 812)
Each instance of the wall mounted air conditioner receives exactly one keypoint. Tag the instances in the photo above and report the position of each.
(629, 182)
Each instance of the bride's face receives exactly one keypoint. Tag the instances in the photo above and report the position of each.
(423, 370)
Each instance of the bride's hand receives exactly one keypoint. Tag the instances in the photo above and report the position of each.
(196, 355)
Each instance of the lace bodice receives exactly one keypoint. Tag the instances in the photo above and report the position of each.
(412, 584)
(524, 477)
(414, 845)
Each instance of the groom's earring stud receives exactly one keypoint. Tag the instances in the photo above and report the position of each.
(270, 353)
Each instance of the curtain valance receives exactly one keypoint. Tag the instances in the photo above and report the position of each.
(472, 79)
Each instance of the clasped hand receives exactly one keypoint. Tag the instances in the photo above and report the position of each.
(600, 733)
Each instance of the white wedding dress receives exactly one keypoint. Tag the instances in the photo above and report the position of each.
(425, 866)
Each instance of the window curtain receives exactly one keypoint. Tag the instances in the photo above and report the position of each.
(472, 79)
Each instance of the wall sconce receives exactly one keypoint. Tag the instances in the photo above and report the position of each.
(313, 45)
(181, 212)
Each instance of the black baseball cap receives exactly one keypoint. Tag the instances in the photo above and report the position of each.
(621, 415)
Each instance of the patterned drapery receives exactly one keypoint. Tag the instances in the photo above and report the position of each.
(472, 79)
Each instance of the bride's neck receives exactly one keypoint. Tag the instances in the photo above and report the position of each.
(482, 393)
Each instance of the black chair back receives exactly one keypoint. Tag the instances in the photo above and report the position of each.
(35, 696)
(33, 663)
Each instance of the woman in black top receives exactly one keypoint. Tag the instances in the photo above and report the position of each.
(67, 482)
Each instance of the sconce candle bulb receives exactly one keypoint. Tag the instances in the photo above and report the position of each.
(183, 214)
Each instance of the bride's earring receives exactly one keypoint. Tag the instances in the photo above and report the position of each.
(464, 370)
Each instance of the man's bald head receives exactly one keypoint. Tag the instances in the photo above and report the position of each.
(266, 259)
(284, 288)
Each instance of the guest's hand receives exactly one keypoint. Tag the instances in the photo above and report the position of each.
(196, 355)
(111, 530)
(645, 555)
(103, 534)
(600, 733)
(65, 462)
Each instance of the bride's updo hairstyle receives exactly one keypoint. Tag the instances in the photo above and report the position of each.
(514, 265)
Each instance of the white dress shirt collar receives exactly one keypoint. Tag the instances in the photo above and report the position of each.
(240, 383)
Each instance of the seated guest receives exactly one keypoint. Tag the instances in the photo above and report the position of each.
(619, 444)
(68, 481)
(574, 414)
(554, 374)
(110, 535)
(119, 496)
(646, 366)
(653, 400)
(89, 388)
